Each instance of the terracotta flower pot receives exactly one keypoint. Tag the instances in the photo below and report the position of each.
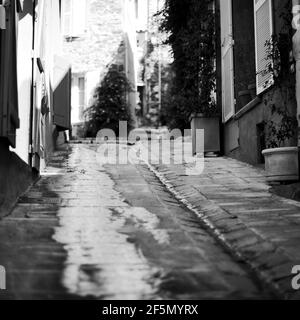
(282, 164)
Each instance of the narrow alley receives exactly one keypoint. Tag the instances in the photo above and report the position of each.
(149, 151)
(89, 232)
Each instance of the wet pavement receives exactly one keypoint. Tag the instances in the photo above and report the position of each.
(112, 232)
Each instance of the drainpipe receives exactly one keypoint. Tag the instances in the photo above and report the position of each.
(32, 88)
(296, 53)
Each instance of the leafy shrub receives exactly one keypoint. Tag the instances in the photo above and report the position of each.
(109, 105)
(282, 123)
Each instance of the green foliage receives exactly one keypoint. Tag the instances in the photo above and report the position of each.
(280, 131)
(190, 25)
(109, 105)
(282, 123)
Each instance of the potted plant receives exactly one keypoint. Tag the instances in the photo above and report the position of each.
(281, 155)
(191, 29)
(281, 162)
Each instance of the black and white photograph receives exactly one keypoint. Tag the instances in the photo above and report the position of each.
(149, 151)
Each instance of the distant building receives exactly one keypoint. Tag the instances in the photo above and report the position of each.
(98, 34)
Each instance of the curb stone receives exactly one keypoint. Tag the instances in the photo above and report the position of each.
(243, 242)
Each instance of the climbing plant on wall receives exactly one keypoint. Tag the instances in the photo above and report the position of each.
(190, 25)
(281, 122)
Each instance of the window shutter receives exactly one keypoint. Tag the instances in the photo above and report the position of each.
(62, 93)
(137, 9)
(74, 17)
(263, 21)
(81, 89)
(2, 17)
(227, 60)
(79, 17)
(20, 5)
(9, 119)
(67, 17)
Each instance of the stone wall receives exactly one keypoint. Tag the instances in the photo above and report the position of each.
(99, 45)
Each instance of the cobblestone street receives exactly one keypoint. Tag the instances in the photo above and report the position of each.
(113, 232)
(149, 156)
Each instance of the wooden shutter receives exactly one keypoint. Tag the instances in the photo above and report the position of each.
(2, 17)
(9, 119)
(81, 93)
(67, 17)
(20, 5)
(263, 21)
(79, 17)
(74, 18)
(227, 60)
(62, 93)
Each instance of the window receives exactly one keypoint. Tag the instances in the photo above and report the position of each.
(263, 17)
(245, 28)
(74, 17)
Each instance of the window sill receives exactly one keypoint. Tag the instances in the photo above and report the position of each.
(71, 38)
(247, 108)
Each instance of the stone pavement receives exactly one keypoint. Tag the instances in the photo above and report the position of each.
(114, 232)
(233, 199)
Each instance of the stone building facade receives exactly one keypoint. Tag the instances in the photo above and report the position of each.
(100, 34)
(104, 37)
